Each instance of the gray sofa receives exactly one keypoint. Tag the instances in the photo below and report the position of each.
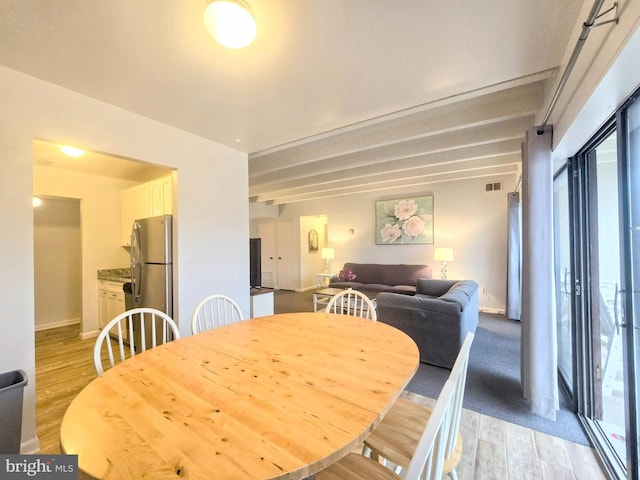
(437, 317)
(378, 277)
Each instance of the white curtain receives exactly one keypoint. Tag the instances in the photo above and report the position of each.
(514, 256)
(538, 347)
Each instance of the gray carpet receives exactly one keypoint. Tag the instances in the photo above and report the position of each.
(493, 379)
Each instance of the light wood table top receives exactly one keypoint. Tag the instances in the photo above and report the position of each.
(281, 396)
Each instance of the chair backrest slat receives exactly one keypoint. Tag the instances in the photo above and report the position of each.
(458, 375)
(215, 311)
(129, 318)
(354, 303)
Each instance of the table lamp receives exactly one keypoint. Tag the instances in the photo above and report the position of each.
(327, 254)
(443, 255)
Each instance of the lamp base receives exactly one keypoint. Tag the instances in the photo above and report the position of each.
(443, 270)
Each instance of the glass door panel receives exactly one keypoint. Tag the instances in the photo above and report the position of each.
(605, 271)
(628, 314)
(562, 271)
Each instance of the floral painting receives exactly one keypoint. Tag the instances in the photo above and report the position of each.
(404, 221)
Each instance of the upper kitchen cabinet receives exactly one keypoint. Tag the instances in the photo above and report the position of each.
(148, 199)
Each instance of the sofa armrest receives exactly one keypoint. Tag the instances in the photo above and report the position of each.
(437, 326)
(433, 286)
(419, 303)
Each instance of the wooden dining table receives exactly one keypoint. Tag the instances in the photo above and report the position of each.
(274, 397)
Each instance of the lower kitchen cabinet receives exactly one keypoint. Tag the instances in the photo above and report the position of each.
(110, 301)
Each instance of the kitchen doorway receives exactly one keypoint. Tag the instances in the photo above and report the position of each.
(57, 258)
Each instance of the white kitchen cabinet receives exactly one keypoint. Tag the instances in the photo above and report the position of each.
(110, 301)
(160, 197)
(148, 199)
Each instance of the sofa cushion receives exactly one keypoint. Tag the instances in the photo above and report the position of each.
(390, 275)
(406, 289)
(422, 295)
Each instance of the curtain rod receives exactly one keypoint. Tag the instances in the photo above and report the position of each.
(586, 27)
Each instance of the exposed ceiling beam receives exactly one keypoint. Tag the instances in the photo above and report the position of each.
(403, 177)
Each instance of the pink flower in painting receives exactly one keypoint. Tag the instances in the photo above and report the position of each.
(390, 233)
(413, 227)
(404, 209)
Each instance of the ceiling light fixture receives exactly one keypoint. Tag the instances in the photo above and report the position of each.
(36, 201)
(230, 22)
(72, 151)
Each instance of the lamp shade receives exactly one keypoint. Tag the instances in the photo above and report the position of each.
(327, 254)
(230, 22)
(443, 255)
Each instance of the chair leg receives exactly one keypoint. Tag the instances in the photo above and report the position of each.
(367, 452)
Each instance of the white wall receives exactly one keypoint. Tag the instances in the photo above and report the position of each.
(466, 218)
(57, 262)
(212, 219)
(311, 262)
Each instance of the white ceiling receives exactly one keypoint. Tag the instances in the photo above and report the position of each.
(333, 97)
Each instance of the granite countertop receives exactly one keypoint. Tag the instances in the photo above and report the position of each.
(115, 274)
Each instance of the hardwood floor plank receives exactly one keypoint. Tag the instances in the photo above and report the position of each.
(490, 461)
(522, 461)
(64, 366)
(469, 429)
(553, 457)
(584, 462)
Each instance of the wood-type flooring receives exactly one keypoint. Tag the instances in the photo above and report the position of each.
(493, 449)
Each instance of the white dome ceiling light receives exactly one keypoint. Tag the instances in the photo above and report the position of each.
(72, 151)
(230, 22)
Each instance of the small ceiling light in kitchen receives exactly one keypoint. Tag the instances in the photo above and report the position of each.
(230, 22)
(72, 151)
(36, 201)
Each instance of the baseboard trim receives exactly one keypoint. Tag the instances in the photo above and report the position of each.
(61, 323)
(497, 311)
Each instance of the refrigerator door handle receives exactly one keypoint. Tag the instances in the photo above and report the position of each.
(136, 240)
(135, 283)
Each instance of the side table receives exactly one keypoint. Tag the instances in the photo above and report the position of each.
(323, 278)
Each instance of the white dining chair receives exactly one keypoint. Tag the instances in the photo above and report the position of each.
(354, 303)
(427, 460)
(397, 435)
(215, 311)
(133, 331)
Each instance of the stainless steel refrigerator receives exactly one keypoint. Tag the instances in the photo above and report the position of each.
(151, 266)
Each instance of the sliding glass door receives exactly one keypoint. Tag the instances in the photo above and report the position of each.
(627, 308)
(597, 262)
(606, 375)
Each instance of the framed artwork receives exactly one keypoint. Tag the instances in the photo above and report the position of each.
(404, 221)
(313, 241)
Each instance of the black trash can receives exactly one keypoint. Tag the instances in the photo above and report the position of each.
(11, 389)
